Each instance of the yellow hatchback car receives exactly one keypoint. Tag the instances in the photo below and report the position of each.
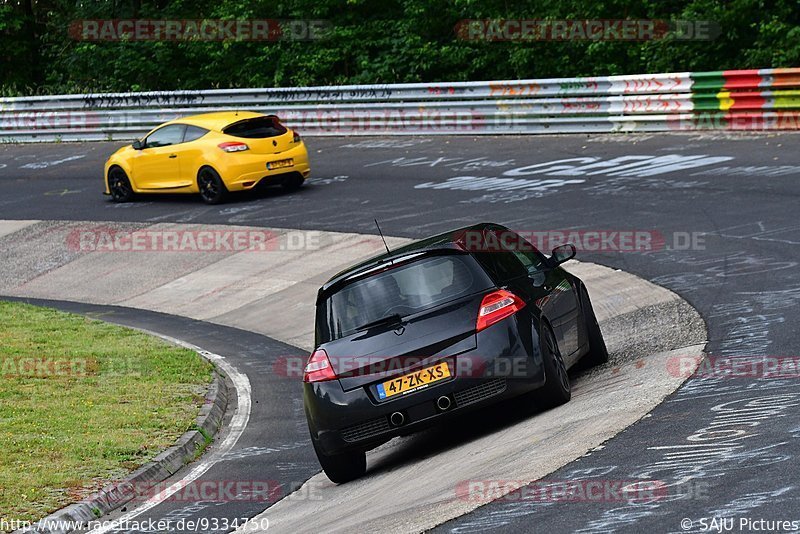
(211, 154)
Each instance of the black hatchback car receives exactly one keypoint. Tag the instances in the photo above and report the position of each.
(440, 326)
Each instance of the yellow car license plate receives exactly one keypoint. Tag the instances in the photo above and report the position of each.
(413, 381)
(280, 164)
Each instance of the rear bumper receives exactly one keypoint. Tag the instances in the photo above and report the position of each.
(342, 420)
(251, 169)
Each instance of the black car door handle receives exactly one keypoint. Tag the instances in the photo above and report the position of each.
(173, 156)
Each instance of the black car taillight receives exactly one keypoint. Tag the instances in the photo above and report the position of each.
(496, 306)
(296, 138)
(318, 368)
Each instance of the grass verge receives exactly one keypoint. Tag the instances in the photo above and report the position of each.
(83, 403)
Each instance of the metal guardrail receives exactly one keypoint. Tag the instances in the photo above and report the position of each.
(738, 99)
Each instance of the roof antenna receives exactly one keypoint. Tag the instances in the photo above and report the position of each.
(384, 239)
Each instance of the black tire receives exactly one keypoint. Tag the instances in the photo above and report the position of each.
(293, 182)
(556, 390)
(119, 185)
(598, 353)
(212, 188)
(341, 468)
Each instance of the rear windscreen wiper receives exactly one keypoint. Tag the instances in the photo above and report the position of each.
(394, 318)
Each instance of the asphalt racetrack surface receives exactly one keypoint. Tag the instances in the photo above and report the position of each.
(715, 216)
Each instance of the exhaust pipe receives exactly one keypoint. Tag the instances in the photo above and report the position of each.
(443, 403)
(397, 419)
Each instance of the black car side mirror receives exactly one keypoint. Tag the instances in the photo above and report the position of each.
(563, 253)
(137, 145)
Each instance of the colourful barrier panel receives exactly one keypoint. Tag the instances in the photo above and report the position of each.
(786, 99)
(752, 99)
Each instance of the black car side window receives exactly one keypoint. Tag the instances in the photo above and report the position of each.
(498, 259)
(533, 261)
(510, 266)
(509, 256)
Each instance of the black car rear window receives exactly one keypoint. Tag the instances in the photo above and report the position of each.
(257, 128)
(404, 290)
